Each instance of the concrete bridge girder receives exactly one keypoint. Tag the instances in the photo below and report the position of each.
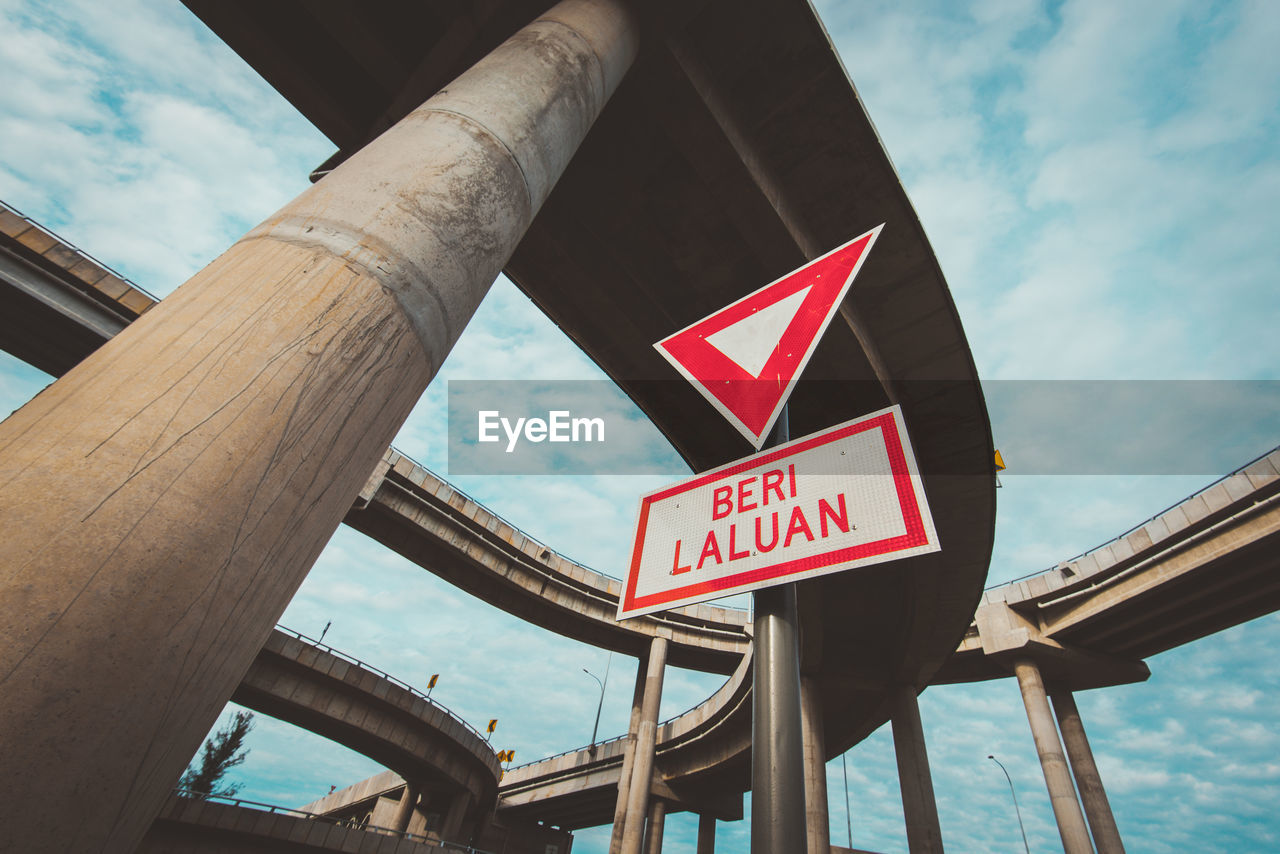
(208, 827)
(302, 684)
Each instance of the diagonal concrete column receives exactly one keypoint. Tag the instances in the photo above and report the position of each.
(817, 823)
(164, 499)
(404, 811)
(706, 834)
(1102, 823)
(646, 738)
(657, 823)
(1062, 794)
(919, 807)
(628, 757)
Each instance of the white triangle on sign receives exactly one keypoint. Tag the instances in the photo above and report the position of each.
(750, 341)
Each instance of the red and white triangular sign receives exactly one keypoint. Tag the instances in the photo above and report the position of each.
(746, 357)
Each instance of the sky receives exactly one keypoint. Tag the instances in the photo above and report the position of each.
(1100, 182)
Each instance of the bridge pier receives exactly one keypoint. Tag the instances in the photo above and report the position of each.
(629, 756)
(920, 808)
(1102, 823)
(706, 834)
(646, 741)
(404, 811)
(657, 823)
(256, 399)
(453, 827)
(1062, 794)
(817, 827)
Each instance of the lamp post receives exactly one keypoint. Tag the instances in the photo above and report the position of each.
(1015, 802)
(600, 705)
(848, 819)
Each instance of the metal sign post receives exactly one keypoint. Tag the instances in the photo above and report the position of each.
(857, 481)
(777, 743)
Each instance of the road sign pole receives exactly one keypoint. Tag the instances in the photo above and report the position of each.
(777, 755)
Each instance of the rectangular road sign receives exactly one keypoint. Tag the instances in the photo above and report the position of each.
(845, 497)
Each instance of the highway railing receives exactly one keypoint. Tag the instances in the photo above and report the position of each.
(1141, 524)
(352, 823)
(517, 528)
(400, 683)
(77, 250)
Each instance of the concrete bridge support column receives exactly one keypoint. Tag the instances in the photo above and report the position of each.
(646, 740)
(817, 827)
(164, 499)
(404, 812)
(657, 823)
(1062, 794)
(628, 757)
(706, 834)
(452, 828)
(1102, 823)
(924, 834)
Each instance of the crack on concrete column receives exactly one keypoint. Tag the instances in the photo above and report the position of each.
(489, 132)
(365, 256)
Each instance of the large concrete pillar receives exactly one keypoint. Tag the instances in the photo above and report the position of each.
(453, 826)
(924, 835)
(706, 834)
(404, 811)
(1102, 823)
(1062, 795)
(657, 823)
(646, 738)
(163, 500)
(817, 823)
(628, 757)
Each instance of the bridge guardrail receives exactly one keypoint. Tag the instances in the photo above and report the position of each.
(341, 822)
(76, 249)
(517, 528)
(351, 659)
(1141, 524)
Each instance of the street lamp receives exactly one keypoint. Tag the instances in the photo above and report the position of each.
(1015, 802)
(599, 705)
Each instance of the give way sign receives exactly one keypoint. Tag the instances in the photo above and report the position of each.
(847, 496)
(746, 357)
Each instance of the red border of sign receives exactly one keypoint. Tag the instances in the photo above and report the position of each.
(706, 367)
(915, 535)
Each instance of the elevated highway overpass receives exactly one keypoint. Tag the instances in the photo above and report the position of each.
(197, 826)
(1201, 566)
(452, 768)
(630, 169)
(414, 512)
(1196, 568)
(1207, 563)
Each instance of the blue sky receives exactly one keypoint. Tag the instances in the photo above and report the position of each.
(1100, 182)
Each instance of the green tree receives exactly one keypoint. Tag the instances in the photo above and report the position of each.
(223, 751)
